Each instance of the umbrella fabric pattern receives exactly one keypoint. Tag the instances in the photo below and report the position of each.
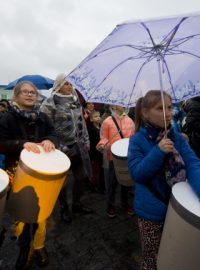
(39, 81)
(140, 56)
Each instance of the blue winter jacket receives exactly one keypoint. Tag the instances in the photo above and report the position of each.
(146, 164)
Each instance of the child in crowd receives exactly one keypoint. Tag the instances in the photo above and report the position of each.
(89, 107)
(110, 133)
(96, 157)
(24, 127)
(156, 162)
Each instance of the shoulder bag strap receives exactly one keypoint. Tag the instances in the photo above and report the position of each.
(118, 128)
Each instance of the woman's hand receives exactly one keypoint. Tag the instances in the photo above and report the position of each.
(166, 145)
(47, 145)
(32, 147)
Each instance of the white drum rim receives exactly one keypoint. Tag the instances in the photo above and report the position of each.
(5, 178)
(118, 142)
(183, 211)
(39, 168)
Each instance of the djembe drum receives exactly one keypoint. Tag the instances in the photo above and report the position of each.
(119, 151)
(4, 181)
(37, 183)
(180, 243)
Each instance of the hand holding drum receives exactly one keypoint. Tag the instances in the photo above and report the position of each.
(47, 145)
(39, 178)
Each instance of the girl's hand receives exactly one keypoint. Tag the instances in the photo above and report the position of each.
(100, 148)
(47, 145)
(166, 145)
(31, 147)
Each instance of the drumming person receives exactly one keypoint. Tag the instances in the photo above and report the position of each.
(157, 159)
(64, 108)
(23, 126)
(109, 134)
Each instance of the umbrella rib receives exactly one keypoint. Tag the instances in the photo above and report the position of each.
(115, 67)
(139, 71)
(176, 44)
(169, 77)
(174, 31)
(139, 48)
(185, 52)
(148, 31)
(119, 64)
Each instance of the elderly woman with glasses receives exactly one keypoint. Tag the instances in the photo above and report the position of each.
(24, 126)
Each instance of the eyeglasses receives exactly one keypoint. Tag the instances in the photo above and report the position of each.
(25, 92)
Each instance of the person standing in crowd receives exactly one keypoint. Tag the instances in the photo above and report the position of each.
(3, 109)
(24, 127)
(156, 162)
(109, 134)
(192, 123)
(6, 104)
(96, 156)
(64, 108)
(89, 107)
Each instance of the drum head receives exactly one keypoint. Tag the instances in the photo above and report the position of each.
(184, 194)
(120, 147)
(4, 180)
(53, 162)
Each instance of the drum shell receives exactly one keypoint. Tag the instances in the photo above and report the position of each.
(34, 194)
(3, 194)
(180, 243)
(121, 170)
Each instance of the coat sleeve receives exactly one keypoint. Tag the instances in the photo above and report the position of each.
(85, 133)
(47, 108)
(144, 166)
(50, 133)
(8, 144)
(104, 134)
(192, 163)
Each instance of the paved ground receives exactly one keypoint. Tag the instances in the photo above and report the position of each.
(90, 242)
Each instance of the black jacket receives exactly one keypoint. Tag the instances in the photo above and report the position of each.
(15, 130)
(192, 123)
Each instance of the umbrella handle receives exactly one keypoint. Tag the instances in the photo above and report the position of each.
(162, 95)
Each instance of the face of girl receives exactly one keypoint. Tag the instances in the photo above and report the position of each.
(155, 114)
(27, 97)
(66, 89)
(119, 109)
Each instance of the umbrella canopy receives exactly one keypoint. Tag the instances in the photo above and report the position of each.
(39, 81)
(139, 56)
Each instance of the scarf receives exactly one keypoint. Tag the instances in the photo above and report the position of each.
(70, 101)
(174, 165)
(31, 115)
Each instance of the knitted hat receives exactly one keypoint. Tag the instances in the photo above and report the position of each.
(59, 82)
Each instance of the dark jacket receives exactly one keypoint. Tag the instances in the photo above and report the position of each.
(94, 135)
(192, 123)
(16, 130)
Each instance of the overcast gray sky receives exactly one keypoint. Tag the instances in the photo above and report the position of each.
(51, 36)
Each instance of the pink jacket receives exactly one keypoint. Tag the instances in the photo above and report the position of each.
(109, 133)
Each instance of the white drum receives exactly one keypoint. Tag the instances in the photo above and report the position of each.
(119, 151)
(4, 182)
(180, 243)
(37, 183)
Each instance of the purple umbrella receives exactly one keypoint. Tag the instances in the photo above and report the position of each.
(39, 81)
(139, 56)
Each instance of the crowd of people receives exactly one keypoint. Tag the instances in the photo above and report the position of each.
(159, 155)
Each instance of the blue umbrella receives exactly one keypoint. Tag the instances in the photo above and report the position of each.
(39, 81)
(139, 56)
